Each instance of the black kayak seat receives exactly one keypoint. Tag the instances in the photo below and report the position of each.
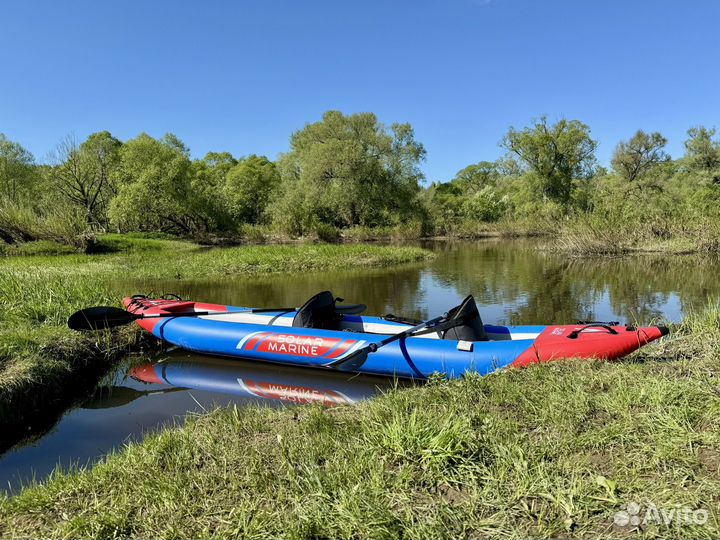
(322, 311)
(465, 323)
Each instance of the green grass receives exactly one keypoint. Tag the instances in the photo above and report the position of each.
(106, 243)
(547, 451)
(138, 243)
(44, 366)
(39, 247)
(40, 359)
(190, 261)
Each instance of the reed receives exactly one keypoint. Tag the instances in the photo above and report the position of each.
(603, 235)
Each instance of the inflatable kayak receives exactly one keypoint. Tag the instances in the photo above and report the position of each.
(321, 334)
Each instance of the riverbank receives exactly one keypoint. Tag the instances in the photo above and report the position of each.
(594, 236)
(44, 366)
(552, 450)
(578, 235)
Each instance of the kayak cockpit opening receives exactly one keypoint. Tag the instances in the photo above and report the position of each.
(322, 311)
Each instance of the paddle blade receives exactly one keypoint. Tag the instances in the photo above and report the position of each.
(100, 318)
(351, 362)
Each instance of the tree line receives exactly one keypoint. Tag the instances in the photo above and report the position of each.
(348, 171)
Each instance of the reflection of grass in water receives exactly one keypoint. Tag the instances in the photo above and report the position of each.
(40, 359)
(544, 286)
(552, 450)
(395, 289)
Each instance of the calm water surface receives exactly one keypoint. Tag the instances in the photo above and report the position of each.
(513, 283)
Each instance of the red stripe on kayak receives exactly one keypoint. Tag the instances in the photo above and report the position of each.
(342, 348)
(250, 345)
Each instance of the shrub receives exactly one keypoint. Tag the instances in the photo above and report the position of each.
(326, 233)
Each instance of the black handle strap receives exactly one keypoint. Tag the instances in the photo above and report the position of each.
(575, 333)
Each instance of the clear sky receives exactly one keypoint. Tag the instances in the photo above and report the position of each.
(241, 76)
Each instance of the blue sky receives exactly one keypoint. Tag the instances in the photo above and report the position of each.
(242, 76)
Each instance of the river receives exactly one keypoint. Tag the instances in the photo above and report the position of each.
(513, 282)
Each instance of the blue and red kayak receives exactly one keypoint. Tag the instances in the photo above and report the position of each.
(271, 337)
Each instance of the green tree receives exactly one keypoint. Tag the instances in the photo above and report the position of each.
(702, 153)
(17, 171)
(248, 188)
(348, 170)
(211, 171)
(84, 174)
(475, 177)
(207, 186)
(445, 202)
(555, 155)
(485, 205)
(641, 154)
(155, 188)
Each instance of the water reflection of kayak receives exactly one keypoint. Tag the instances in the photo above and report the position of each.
(108, 397)
(292, 385)
(326, 336)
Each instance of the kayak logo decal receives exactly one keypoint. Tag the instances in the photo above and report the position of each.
(295, 345)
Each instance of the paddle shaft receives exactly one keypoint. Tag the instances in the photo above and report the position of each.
(372, 347)
(203, 313)
(356, 357)
(104, 317)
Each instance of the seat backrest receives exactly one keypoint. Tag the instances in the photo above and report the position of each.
(318, 312)
(470, 326)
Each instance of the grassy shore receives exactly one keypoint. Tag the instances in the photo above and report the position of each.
(581, 234)
(592, 235)
(43, 364)
(549, 451)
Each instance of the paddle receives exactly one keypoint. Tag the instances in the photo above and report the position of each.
(104, 317)
(355, 360)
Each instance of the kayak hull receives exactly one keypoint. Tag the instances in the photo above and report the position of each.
(270, 338)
